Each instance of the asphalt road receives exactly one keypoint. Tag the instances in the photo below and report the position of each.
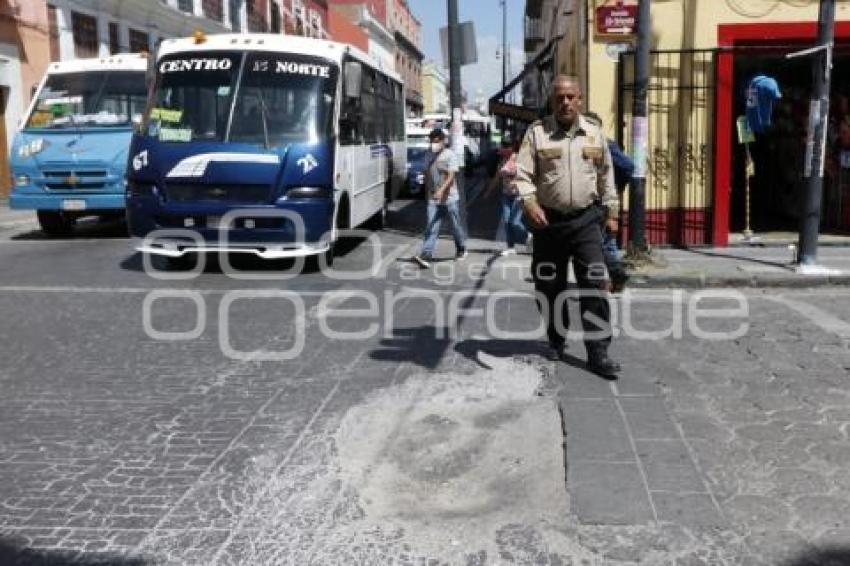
(404, 417)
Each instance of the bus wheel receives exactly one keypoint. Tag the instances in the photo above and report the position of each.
(377, 221)
(312, 263)
(55, 223)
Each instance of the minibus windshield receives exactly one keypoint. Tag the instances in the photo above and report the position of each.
(86, 99)
(262, 98)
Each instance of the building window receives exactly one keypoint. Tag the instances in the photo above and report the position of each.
(316, 23)
(85, 35)
(298, 15)
(139, 41)
(257, 15)
(114, 41)
(213, 10)
(235, 16)
(53, 33)
(186, 6)
(275, 23)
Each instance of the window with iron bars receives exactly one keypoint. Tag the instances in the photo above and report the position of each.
(257, 15)
(85, 35)
(213, 10)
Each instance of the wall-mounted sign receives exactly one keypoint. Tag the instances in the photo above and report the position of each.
(617, 20)
(613, 50)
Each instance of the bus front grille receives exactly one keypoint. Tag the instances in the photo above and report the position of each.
(240, 194)
(75, 179)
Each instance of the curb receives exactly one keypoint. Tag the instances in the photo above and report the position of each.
(785, 244)
(759, 281)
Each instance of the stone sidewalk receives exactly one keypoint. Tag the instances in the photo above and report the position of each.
(739, 266)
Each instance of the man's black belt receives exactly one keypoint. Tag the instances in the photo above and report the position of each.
(556, 216)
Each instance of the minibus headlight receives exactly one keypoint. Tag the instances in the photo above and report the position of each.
(22, 180)
(31, 148)
(308, 192)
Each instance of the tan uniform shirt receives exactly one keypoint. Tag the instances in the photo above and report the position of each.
(567, 170)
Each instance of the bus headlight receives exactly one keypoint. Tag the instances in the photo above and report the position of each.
(31, 148)
(308, 192)
(22, 180)
(420, 178)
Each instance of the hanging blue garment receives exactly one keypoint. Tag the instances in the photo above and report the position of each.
(762, 92)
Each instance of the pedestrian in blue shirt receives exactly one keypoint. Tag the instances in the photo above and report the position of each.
(624, 168)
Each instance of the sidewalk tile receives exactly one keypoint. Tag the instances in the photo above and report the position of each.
(691, 509)
(648, 418)
(595, 431)
(608, 493)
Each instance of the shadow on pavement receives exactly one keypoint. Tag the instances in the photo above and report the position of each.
(509, 348)
(421, 345)
(84, 228)
(828, 556)
(12, 554)
(721, 255)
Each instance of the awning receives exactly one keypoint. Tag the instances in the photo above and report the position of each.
(497, 105)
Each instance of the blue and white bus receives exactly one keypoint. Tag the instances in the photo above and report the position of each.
(69, 157)
(266, 128)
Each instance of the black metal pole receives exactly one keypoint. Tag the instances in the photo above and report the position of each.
(640, 135)
(816, 139)
(454, 57)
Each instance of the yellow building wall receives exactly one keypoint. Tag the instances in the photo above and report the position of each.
(676, 24)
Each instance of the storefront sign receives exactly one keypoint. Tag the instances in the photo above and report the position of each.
(617, 20)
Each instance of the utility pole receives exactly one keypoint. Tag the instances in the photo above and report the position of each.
(504, 43)
(816, 139)
(454, 80)
(637, 247)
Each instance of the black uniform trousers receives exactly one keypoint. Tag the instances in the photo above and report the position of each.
(575, 236)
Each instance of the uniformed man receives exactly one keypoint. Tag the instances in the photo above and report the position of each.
(566, 183)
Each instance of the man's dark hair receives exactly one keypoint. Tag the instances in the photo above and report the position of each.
(437, 134)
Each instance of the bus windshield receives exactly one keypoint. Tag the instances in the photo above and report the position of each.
(268, 99)
(86, 99)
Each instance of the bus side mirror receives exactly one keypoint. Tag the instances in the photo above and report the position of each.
(353, 78)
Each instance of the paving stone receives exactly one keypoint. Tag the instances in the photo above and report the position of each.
(661, 476)
(577, 384)
(648, 418)
(608, 493)
(689, 509)
(595, 431)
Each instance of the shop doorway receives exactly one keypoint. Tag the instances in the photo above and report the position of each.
(778, 186)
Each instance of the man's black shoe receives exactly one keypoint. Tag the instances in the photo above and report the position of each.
(599, 363)
(556, 352)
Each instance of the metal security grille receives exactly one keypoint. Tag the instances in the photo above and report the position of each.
(680, 168)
